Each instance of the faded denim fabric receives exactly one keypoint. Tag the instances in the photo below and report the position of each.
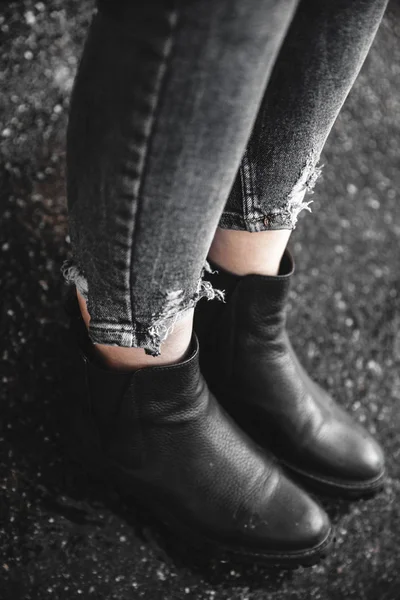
(187, 115)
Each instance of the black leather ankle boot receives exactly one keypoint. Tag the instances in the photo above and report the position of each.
(250, 365)
(162, 439)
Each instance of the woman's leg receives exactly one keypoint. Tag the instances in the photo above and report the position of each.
(164, 102)
(163, 105)
(247, 357)
(323, 52)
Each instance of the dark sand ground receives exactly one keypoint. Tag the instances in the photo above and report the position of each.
(62, 537)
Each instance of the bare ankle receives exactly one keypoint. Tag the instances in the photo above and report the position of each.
(244, 253)
(173, 350)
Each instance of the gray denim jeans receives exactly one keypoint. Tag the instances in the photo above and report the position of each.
(192, 114)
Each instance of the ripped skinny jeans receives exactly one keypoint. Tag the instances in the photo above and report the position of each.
(187, 115)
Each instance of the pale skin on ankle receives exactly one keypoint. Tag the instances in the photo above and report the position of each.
(173, 350)
(245, 253)
(238, 252)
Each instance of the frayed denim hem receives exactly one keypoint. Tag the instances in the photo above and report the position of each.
(268, 223)
(154, 332)
(262, 215)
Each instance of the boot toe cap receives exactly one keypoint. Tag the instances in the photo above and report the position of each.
(310, 523)
(360, 458)
(369, 460)
(346, 456)
(292, 525)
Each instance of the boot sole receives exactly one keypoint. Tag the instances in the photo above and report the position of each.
(346, 489)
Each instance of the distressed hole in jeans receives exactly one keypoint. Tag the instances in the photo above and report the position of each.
(73, 276)
(305, 183)
(177, 303)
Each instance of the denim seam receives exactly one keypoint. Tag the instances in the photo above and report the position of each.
(252, 214)
(152, 120)
(244, 167)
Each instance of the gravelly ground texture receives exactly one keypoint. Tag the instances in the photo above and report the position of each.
(62, 536)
